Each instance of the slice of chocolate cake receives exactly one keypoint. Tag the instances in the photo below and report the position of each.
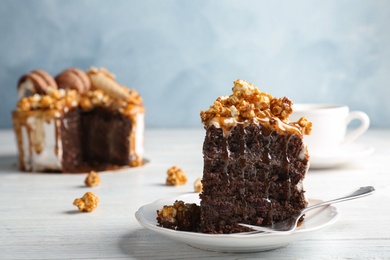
(254, 161)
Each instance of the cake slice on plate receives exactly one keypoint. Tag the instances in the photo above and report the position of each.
(254, 161)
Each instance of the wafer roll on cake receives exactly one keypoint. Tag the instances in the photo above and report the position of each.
(102, 79)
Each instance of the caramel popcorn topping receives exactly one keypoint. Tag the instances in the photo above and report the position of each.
(176, 176)
(304, 125)
(247, 104)
(92, 179)
(87, 203)
(167, 214)
(66, 99)
(108, 94)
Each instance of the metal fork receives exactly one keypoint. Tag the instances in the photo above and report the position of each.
(290, 224)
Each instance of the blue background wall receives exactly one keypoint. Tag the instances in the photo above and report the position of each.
(181, 55)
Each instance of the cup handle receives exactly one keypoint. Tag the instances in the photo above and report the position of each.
(364, 124)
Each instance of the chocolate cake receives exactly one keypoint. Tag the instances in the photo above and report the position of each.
(77, 122)
(254, 161)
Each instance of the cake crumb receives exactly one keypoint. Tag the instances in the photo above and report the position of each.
(87, 203)
(92, 179)
(198, 187)
(176, 176)
(167, 215)
(179, 216)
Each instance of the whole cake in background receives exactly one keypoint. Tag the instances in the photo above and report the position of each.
(255, 161)
(77, 122)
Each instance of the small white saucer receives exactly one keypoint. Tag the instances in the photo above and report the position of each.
(344, 154)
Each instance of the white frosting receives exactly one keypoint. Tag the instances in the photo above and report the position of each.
(139, 135)
(228, 121)
(302, 153)
(25, 146)
(299, 186)
(41, 134)
(25, 88)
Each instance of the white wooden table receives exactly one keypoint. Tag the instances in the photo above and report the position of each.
(38, 220)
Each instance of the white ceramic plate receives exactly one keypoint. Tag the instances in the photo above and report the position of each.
(315, 220)
(345, 154)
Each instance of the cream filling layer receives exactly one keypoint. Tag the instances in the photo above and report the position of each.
(139, 135)
(40, 147)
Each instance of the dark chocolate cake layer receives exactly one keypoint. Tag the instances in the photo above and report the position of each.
(105, 136)
(70, 129)
(251, 176)
(94, 139)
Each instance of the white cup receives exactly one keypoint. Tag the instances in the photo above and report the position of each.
(329, 130)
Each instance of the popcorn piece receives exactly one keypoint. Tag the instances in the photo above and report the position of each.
(179, 216)
(23, 105)
(92, 179)
(176, 176)
(85, 103)
(281, 107)
(305, 125)
(167, 215)
(55, 93)
(87, 203)
(198, 187)
(46, 102)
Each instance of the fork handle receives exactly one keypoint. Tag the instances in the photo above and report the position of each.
(361, 192)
